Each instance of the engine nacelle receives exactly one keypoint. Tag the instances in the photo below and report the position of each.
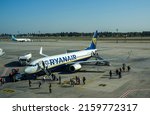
(74, 67)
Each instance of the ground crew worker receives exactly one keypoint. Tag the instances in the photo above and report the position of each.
(44, 79)
(50, 88)
(110, 74)
(128, 68)
(1, 81)
(29, 83)
(53, 77)
(84, 79)
(34, 76)
(40, 84)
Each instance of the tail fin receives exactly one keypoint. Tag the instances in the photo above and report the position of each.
(94, 41)
(13, 38)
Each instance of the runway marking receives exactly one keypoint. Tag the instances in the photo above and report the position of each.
(8, 90)
(4, 72)
(124, 95)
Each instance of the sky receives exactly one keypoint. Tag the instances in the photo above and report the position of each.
(52, 16)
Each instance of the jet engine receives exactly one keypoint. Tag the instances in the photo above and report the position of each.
(74, 67)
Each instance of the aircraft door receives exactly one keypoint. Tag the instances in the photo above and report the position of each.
(41, 65)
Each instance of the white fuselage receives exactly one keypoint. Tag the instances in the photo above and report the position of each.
(23, 40)
(58, 60)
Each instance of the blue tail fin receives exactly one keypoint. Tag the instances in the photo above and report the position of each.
(13, 38)
(94, 41)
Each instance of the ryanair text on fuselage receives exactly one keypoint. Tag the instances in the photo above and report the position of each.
(60, 60)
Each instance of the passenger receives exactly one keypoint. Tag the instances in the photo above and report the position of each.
(29, 83)
(110, 74)
(120, 74)
(128, 67)
(50, 88)
(123, 67)
(120, 69)
(117, 71)
(83, 79)
(40, 84)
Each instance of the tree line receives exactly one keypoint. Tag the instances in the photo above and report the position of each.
(79, 34)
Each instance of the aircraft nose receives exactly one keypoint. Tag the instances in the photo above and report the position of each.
(30, 70)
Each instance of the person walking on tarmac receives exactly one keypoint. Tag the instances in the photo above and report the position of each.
(83, 79)
(110, 74)
(128, 67)
(40, 84)
(120, 69)
(29, 83)
(123, 67)
(117, 71)
(119, 74)
(50, 88)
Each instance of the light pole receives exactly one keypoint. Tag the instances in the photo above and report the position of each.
(117, 35)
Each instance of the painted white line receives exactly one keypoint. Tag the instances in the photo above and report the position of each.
(124, 95)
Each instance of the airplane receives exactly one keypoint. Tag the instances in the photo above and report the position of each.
(70, 61)
(1, 52)
(13, 38)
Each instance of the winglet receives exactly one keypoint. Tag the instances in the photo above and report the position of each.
(41, 52)
(41, 49)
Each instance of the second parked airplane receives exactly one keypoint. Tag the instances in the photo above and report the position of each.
(13, 38)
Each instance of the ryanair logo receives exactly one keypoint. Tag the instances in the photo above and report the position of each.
(60, 60)
(94, 41)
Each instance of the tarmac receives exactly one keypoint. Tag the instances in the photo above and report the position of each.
(133, 84)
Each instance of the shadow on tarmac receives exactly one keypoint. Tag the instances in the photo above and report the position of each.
(13, 64)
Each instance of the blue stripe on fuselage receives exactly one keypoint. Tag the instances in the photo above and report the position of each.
(57, 68)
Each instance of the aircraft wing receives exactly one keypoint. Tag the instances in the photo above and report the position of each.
(89, 61)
